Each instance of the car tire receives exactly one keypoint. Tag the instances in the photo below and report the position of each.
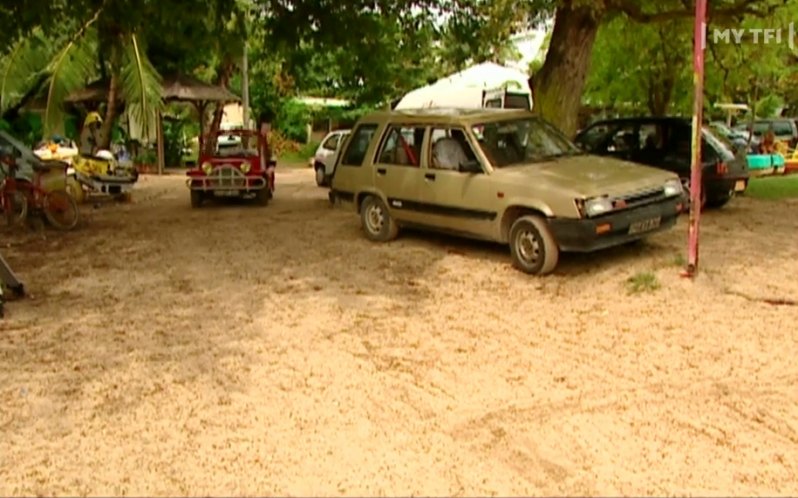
(377, 223)
(197, 198)
(718, 201)
(532, 246)
(321, 177)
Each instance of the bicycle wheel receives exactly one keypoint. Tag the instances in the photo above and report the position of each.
(61, 210)
(15, 208)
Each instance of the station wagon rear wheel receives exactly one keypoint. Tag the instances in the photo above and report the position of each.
(532, 246)
(376, 220)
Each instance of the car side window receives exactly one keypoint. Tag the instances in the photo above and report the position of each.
(332, 142)
(593, 137)
(358, 145)
(625, 139)
(450, 149)
(401, 146)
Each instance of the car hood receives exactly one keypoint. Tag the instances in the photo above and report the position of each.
(586, 176)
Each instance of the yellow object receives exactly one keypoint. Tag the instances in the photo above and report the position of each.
(75, 190)
(91, 118)
(245, 167)
(207, 168)
(90, 166)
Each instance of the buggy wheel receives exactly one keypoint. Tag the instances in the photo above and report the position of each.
(75, 189)
(196, 198)
(262, 196)
(61, 210)
(15, 208)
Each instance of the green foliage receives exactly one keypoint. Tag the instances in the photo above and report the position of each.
(300, 155)
(642, 282)
(773, 188)
(645, 67)
(292, 120)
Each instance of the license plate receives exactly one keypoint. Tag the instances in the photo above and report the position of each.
(644, 225)
(227, 193)
(739, 186)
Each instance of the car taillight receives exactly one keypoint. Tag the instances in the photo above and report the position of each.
(721, 168)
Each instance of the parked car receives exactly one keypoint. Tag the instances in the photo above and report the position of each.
(785, 130)
(738, 138)
(324, 159)
(233, 171)
(666, 143)
(500, 175)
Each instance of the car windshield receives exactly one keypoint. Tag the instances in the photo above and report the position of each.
(722, 129)
(779, 127)
(519, 141)
(722, 145)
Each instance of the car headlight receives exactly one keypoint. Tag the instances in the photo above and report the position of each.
(597, 206)
(245, 167)
(673, 187)
(207, 168)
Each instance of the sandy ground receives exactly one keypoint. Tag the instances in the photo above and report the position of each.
(239, 350)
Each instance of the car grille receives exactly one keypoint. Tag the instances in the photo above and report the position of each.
(227, 176)
(640, 198)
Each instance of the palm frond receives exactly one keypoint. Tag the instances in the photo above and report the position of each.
(71, 68)
(140, 87)
(22, 68)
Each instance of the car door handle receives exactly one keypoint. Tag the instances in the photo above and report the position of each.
(430, 176)
(381, 171)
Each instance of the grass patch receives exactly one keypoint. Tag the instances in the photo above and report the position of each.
(679, 260)
(774, 188)
(642, 282)
(300, 156)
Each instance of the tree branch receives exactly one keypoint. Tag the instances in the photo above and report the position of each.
(740, 8)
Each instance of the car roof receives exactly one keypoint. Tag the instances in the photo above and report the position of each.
(447, 115)
(637, 119)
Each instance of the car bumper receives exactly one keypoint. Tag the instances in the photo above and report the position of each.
(724, 186)
(587, 235)
(215, 183)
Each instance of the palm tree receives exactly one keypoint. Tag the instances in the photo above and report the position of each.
(58, 67)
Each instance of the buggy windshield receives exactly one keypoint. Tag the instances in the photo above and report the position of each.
(236, 144)
(519, 141)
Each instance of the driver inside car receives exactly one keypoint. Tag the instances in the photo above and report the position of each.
(448, 153)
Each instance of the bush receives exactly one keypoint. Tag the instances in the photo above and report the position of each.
(292, 120)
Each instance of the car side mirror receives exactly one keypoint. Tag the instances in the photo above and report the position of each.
(471, 166)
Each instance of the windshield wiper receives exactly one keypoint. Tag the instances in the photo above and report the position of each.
(563, 154)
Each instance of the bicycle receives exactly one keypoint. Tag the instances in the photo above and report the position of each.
(18, 196)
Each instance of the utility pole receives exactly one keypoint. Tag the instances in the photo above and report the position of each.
(698, 111)
(245, 86)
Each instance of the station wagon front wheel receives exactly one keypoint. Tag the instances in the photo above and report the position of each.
(532, 246)
(376, 220)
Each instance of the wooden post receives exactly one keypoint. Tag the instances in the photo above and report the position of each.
(161, 153)
(698, 111)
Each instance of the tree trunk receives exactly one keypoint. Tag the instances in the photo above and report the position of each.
(660, 93)
(106, 130)
(557, 87)
(225, 73)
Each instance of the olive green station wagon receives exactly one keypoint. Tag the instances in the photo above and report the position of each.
(501, 175)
